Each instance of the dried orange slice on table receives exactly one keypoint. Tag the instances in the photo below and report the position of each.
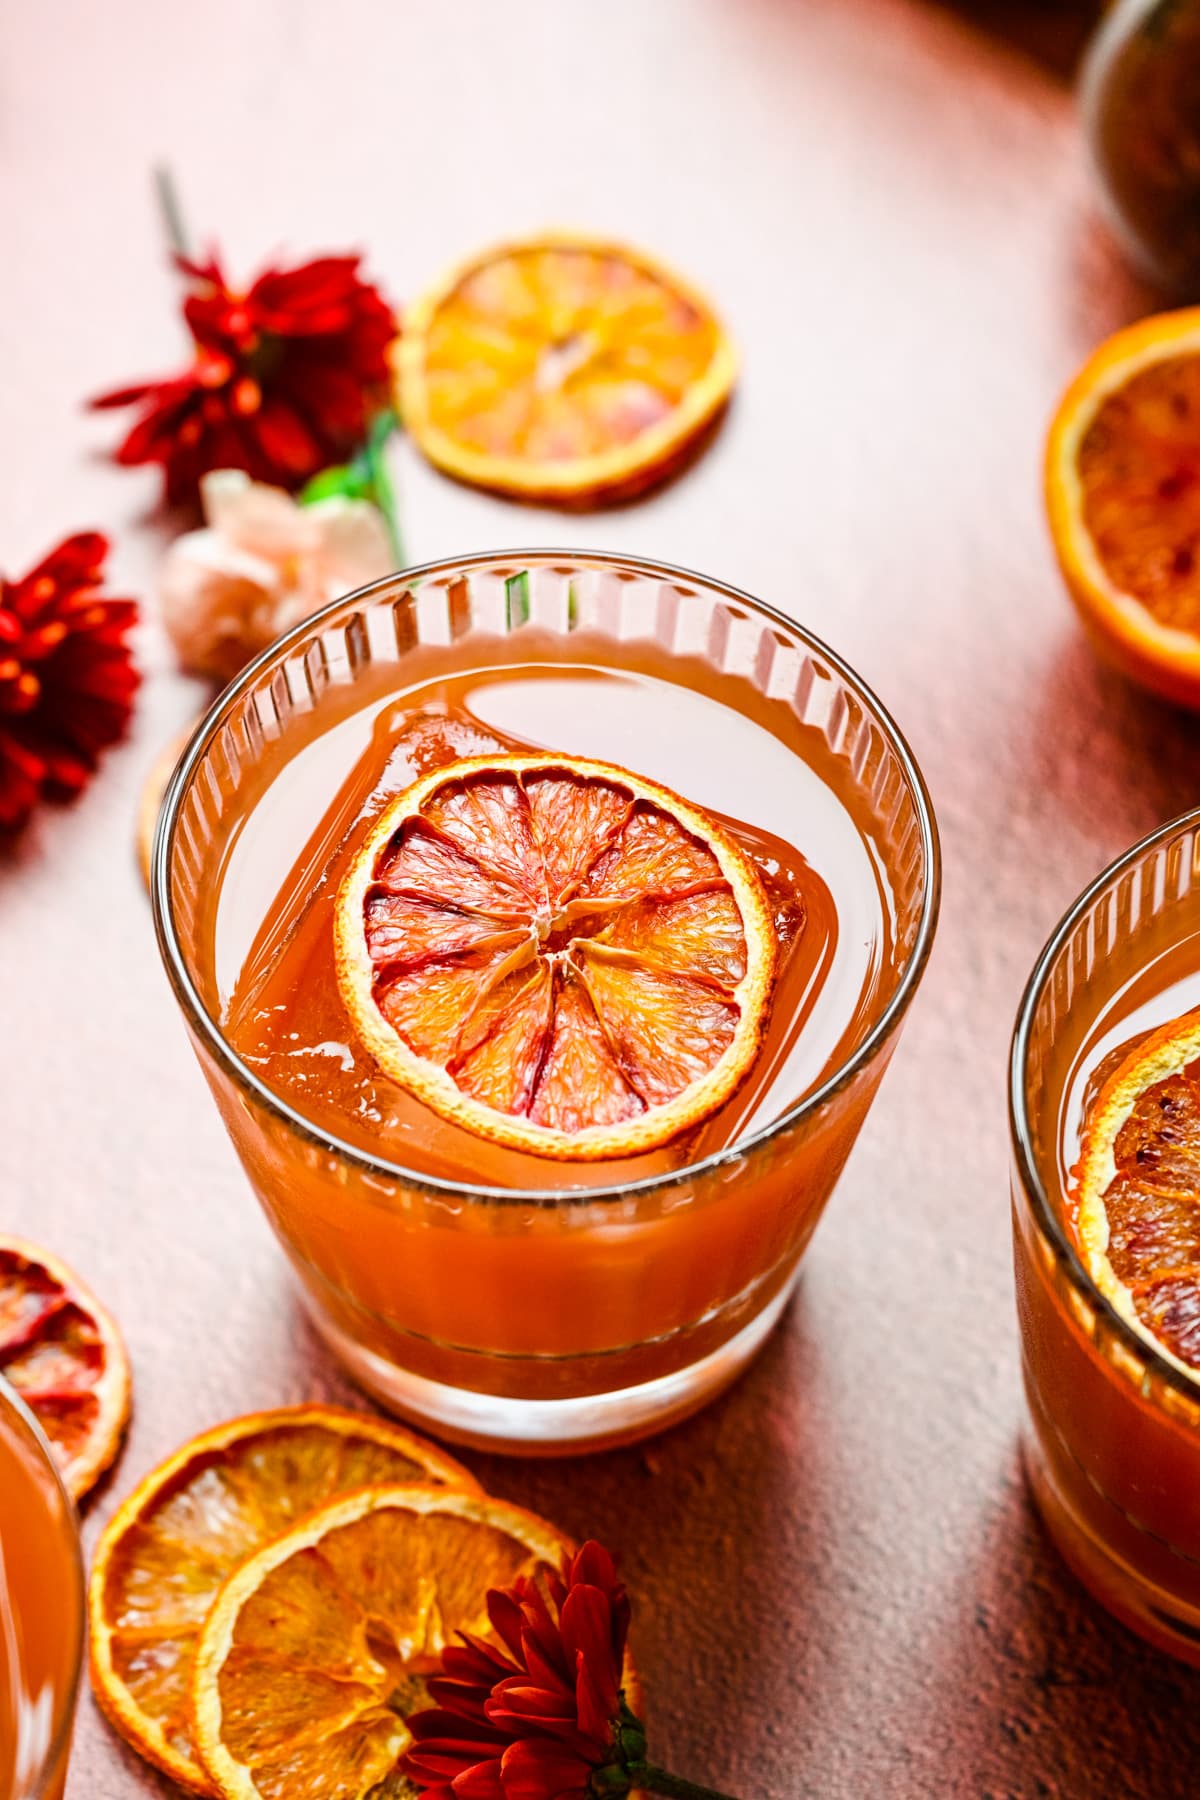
(1123, 495)
(557, 955)
(315, 1650)
(164, 1555)
(1137, 1198)
(62, 1352)
(563, 369)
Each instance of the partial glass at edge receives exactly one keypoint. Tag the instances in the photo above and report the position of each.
(41, 1610)
(621, 1308)
(1112, 1439)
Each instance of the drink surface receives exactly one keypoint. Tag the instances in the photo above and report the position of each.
(283, 1013)
(39, 1615)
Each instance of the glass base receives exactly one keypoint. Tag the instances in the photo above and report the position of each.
(549, 1427)
(1145, 1607)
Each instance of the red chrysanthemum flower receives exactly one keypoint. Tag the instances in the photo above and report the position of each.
(67, 677)
(543, 1719)
(543, 1713)
(284, 379)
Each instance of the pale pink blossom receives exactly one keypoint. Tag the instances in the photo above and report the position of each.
(260, 565)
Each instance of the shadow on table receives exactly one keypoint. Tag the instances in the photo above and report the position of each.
(1052, 33)
(1038, 1692)
(704, 1519)
(1115, 761)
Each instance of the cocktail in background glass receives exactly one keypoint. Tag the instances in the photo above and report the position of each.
(1112, 1443)
(41, 1610)
(496, 1294)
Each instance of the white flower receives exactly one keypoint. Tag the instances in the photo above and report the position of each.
(261, 564)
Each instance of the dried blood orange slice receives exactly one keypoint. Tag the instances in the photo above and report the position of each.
(1123, 495)
(1137, 1199)
(556, 954)
(195, 1518)
(316, 1649)
(561, 368)
(61, 1351)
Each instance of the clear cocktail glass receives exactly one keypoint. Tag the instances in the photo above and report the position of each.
(551, 1311)
(41, 1610)
(1112, 1439)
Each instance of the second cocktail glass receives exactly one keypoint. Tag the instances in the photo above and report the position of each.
(1112, 1442)
(41, 1610)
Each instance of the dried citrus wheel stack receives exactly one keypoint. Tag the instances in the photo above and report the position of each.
(193, 1521)
(266, 1607)
(1123, 494)
(1137, 1199)
(562, 368)
(558, 955)
(63, 1354)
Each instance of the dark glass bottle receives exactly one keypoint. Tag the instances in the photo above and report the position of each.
(1141, 105)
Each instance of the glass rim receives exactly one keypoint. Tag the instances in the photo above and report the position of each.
(56, 1750)
(209, 1031)
(1047, 1215)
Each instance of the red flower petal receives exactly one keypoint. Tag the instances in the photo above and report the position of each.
(587, 1635)
(436, 1724)
(69, 677)
(285, 439)
(159, 431)
(555, 1713)
(541, 1638)
(517, 1709)
(595, 1706)
(122, 396)
(507, 1619)
(534, 1769)
(482, 1782)
(312, 340)
(21, 777)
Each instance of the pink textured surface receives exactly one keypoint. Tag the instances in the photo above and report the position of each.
(840, 1586)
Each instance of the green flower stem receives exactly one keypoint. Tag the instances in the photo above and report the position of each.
(658, 1781)
(364, 477)
(380, 480)
(171, 212)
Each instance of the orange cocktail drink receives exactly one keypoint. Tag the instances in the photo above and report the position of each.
(543, 924)
(1113, 1441)
(41, 1610)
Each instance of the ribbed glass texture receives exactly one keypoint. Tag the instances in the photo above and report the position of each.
(610, 1288)
(1112, 1442)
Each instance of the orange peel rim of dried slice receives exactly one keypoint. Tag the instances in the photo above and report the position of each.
(1165, 1052)
(431, 1084)
(1161, 657)
(624, 467)
(112, 1695)
(546, 1542)
(114, 1390)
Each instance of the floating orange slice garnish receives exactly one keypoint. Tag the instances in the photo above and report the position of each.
(165, 1554)
(1137, 1198)
(561, 368)
(555, 954)
(61, 1351)
(315, 1650)
(1123, 493)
